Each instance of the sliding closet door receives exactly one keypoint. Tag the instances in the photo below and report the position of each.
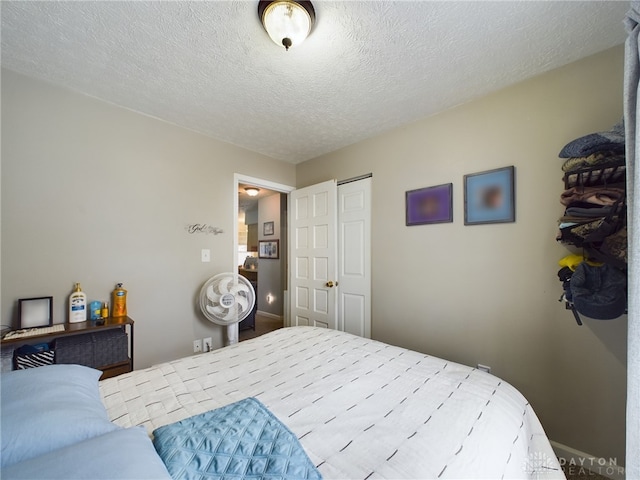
(354, 257)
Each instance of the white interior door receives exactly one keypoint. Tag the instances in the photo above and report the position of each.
(354, 257)
(313, 261)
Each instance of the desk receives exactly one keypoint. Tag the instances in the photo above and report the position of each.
(85, 327)
(249, 274)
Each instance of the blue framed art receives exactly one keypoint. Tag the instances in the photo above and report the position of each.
(429, 205)
(490, 197)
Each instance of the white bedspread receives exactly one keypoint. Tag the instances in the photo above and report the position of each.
(361, 408)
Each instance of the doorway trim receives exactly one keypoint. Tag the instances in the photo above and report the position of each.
(239, 178)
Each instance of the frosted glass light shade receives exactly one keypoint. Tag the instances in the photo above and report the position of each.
(287, 22)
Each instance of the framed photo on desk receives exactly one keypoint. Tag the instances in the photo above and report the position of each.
(35, 312)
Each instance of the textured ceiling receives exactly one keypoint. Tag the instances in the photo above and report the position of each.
(367, 67)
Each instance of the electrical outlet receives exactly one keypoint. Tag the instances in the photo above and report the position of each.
(197, 346)
(207, 344)
(484, 368)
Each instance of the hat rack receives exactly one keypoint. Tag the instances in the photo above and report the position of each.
(596, 175)
(611, 173)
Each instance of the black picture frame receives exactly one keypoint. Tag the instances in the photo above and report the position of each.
(429, 205)
(35, 312)
(490, 197)
(268, 228)
(269, 249)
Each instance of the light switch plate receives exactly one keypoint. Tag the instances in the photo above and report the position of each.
(205, 255)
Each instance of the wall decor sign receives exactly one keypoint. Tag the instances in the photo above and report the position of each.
(429, 205)
(268, 249)
(267, 228)
(490, 197)
(203, 228)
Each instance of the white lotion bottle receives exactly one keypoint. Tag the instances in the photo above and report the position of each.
(77, 305)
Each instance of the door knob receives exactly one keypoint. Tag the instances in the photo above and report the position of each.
(330, 284)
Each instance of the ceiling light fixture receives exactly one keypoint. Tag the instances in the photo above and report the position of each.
(287, 22)
(251, 191)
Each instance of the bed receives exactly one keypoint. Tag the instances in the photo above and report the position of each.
(360, 409)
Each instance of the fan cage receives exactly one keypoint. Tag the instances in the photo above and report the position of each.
(227, 298)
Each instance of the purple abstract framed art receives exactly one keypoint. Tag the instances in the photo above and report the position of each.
(430, 205)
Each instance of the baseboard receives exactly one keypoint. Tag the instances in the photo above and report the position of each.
(576, 462)
(269, 315)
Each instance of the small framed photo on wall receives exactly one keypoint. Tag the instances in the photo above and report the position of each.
(490, 197)
(267, 228)
(269, 249)
(429, 205)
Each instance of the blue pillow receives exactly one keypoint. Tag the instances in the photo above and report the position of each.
(47, 408)
(122, 454)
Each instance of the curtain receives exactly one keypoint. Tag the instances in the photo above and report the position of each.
(631, 110)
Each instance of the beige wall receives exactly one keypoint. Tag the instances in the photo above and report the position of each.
(489, 293)
(97, 194)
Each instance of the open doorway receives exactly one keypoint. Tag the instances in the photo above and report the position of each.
(260, 251)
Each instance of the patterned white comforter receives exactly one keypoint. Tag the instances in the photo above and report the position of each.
(361, 409)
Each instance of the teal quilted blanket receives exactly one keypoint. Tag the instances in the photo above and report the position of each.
(243, 440)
